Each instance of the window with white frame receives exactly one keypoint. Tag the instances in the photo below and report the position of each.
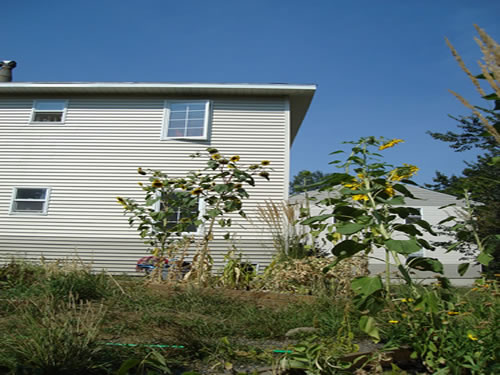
(30, 200)
(183, 207)
(49, 111)
(186, 119)
(413, 217)
(410, 219)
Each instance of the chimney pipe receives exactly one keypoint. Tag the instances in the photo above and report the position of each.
(6, 67)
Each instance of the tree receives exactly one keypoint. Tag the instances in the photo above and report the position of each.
(306, 181)
(480, 178)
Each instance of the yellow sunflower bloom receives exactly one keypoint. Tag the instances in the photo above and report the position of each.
(360, 197)
(391, 143)
(235, 158)
(472, 337)
(265, 162)
(389, 190)
(157, 184)
(197, 191)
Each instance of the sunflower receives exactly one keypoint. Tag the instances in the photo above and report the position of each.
(390, 144)
(157, 184)
(265, 163)
(235, 158)
(197, 191)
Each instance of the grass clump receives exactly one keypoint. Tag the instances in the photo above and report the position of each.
(54, 337)
(21, 279)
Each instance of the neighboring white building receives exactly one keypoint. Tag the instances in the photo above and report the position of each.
(67, 150)
(428, 203)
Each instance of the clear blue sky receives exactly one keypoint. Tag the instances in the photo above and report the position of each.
(382, 67)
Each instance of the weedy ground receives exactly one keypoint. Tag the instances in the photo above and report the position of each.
(69, 320)
(60, 319)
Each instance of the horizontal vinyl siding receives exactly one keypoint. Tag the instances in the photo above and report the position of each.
(93, 157)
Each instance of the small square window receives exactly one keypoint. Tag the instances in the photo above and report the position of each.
(30, 200)
(186, 119)
(53, 111)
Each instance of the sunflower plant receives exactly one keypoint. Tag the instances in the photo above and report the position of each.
(221, 186)
(366, 201)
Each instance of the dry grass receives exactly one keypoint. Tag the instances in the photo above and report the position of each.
(490, 69)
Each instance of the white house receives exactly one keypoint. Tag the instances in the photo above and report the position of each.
(428, 203)
(67, 150)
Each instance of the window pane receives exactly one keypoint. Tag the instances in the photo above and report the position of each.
(28, 206)
(50, 105)
(195, 123)
(196, 115)
(48, 117)
(196, 106)
(177, 124)
(194, 132)
(26, 193)
(178, 107)
(175, 133)
(177, 115)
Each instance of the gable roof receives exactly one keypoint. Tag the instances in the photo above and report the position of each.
(300, 96)
(425, 197)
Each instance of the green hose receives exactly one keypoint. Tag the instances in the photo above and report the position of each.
(146, 345)
(173, 346)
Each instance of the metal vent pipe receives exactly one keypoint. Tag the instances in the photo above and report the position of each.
(6, 70)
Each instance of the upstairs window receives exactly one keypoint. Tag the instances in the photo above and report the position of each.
(30, 200)
(186, 119)
(52, 111)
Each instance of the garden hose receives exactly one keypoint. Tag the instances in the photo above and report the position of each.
(174, 346)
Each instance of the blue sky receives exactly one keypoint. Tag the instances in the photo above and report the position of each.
(382, 67)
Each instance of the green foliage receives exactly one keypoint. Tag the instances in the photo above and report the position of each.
(53, 337)
(237, 274)
(81, 284)
(221, 185)
(480, 181)
(57, 279)
(447, 330)
(306, 181)
(153, 363)
(364, 206)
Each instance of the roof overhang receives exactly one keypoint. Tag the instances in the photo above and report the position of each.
(300, 96)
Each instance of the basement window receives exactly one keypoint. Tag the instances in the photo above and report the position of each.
(186, 119)
(30, 200)
(49, 111)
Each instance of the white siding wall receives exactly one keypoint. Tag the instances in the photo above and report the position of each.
(93, 158)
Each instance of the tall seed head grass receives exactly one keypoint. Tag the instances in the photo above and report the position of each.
(55, 337)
